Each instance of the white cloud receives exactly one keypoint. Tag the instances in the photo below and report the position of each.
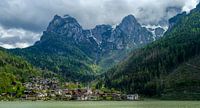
(17, 38)
(7, 46)
(16, 45)
(35, 15)
(23, 20)
(190, 4)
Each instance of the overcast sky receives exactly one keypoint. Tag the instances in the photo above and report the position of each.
(22, 21)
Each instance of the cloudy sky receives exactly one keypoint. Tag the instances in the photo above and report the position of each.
(22, 21)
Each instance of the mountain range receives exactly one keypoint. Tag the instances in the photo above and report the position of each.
(78, 54)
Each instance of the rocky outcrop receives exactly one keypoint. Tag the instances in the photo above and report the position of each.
(103, 38)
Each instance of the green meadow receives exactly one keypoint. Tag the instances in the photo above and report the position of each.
(102, 104)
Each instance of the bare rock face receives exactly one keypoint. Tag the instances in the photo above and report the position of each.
(129, 33)
(102, 39)
(67, 26)
(159, 32)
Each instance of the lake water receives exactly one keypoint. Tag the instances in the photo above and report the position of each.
(103, 104)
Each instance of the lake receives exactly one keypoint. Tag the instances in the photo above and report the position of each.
(102, 104)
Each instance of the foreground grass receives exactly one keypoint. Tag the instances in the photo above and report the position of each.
(102, 104)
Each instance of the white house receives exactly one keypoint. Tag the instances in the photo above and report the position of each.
(133, 97)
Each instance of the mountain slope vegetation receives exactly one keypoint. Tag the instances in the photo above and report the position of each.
(13, 72)
(77, 54)
(158, 69)
(59, 56)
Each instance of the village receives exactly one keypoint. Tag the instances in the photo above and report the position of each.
(49, 89)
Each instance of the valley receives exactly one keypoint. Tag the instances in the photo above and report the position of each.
(127, 62)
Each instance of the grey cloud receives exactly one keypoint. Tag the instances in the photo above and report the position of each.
(31, 17)
(34, 15)
(12, 38)
(16, 39)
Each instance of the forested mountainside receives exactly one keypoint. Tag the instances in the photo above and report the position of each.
(167, 68)
(77, 54)
(13, 72)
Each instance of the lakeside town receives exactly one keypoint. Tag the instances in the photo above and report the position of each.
(50, 89)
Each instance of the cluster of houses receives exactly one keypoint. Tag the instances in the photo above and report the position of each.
(49, 89)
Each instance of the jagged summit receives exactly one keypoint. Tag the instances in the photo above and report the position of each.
(66, 16)
(129, 19)
(128, 34)
(56, 17)
(128, 23)
(62, 25)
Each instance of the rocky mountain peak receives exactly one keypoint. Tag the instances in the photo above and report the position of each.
(129, 22)
(61, 25)
(129, 33)
(129, 19)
